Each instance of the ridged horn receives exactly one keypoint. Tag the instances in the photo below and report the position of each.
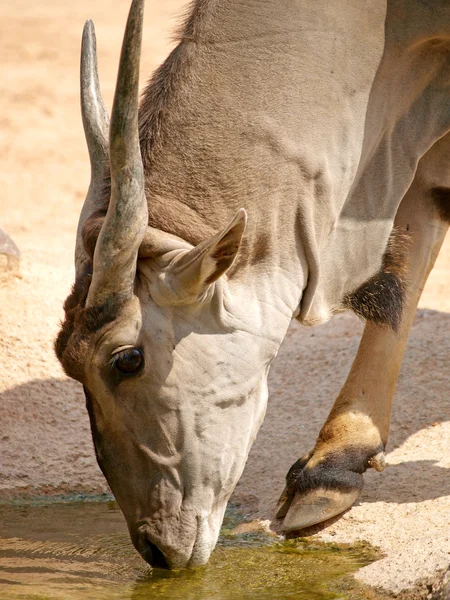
(96, 127)
(126, 221)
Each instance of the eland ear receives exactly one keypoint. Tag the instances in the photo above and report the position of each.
(196, 269)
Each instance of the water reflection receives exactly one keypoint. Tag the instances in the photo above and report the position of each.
(82, 551)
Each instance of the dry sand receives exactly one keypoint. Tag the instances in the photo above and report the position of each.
(45, 444)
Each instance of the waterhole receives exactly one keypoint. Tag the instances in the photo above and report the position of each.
(81, 551)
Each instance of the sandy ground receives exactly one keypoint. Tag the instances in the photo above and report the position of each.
(45, 444)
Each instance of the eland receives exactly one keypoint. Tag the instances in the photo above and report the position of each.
(289, 160)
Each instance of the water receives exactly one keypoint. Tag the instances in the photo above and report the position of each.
(81, 551)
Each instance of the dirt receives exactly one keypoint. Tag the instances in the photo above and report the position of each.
(45, 444)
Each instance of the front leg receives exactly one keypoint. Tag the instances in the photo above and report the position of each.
(329, 479)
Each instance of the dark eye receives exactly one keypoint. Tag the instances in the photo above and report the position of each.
(129, 361)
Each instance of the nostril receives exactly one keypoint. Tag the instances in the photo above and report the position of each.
(153, 555)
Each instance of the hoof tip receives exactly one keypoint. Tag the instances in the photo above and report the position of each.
(317, 506)
(283, 504)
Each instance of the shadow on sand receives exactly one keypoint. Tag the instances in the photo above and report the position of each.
(46, 447)
(305, 379)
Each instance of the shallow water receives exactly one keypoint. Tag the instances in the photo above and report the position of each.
(81, 551)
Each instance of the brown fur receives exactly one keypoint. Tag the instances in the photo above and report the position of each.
(91, 231)
(261, 248)
(79, 324)
(381, 299)
(254, 250)
(441, 199)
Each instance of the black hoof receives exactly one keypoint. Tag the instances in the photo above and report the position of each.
(317, 490)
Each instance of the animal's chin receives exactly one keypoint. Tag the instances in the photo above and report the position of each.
(198, 559)
(175, 555)
(208, 529)
(201, 552)
(206, 539)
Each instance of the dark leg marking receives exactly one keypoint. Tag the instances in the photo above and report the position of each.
(341, 471)
(441, 199)
(381, 299)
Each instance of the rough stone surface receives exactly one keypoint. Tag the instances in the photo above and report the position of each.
(9, 256)
(45, 443)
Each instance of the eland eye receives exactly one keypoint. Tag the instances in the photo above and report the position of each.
(129, 361)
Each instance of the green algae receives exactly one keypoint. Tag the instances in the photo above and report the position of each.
(81, 551)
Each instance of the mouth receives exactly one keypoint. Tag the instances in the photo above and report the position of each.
(173, 558)
(162, 557)
(153, 555)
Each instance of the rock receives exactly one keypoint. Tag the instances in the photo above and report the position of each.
(253, 527)
(9, 255)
